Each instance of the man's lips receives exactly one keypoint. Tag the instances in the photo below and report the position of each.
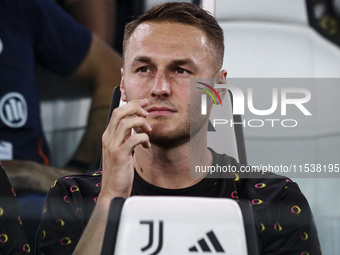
(160, 110)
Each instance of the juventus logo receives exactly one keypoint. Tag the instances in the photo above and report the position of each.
(150, 223)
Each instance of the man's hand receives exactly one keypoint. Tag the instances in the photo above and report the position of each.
(118, 145)
(118, 169)
(28, 175)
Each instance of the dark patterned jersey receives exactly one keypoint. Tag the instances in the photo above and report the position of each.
(283, 218)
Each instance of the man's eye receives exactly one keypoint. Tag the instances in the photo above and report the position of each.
(143, 69)
(181, 71)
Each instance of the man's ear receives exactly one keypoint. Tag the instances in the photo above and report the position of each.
(221, 78)
(122, 86)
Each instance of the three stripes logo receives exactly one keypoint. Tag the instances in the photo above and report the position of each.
(203, 244)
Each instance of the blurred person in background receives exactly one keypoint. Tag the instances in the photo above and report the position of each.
(39, 32)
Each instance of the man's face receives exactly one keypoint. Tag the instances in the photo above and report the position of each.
(160, 59)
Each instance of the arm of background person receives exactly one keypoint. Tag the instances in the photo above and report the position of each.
(94, 62)
(96, 15)
(99, 17)
(29, 175)
(101, 68)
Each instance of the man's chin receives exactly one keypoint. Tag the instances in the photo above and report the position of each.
(167, 136)
(169, 140)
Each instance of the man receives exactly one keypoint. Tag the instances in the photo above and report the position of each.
(163, 50)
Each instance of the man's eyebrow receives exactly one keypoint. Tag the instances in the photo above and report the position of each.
(185, 62)
(176, 62)
(180, 62)
(142, 59)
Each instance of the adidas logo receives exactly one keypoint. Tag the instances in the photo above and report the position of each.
(204, 245)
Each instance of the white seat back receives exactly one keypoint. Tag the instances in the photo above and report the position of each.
(181, 225)
(273, 39)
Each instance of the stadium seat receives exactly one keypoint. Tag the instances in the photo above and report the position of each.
(179, 225)
(274, 40)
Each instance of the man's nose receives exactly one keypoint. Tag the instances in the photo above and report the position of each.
(161, 86)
